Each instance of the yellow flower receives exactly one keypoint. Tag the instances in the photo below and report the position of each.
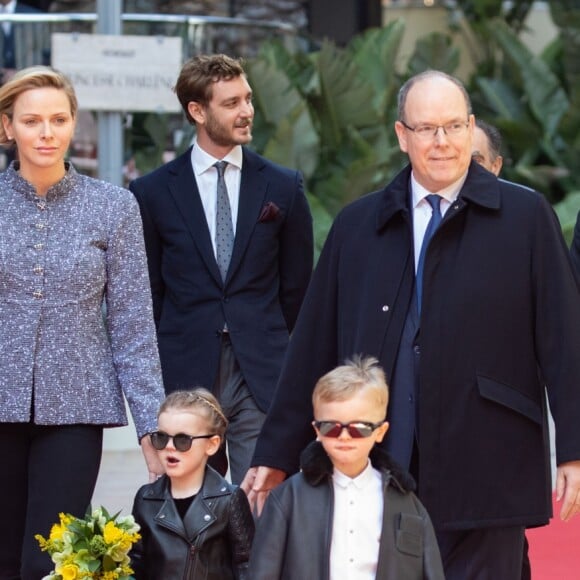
(68, 572)
(125, 542)
(57, 530)
(43, 543)
(112, 534)
(76, 546)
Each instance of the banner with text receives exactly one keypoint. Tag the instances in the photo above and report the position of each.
(120, 73)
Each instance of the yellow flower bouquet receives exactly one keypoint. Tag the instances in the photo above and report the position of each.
(95, 547)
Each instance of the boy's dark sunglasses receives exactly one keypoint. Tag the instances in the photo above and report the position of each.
(356, 429)
(181, 441)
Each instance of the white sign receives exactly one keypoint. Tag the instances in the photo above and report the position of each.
(120, 73)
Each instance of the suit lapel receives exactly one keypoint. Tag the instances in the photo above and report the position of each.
(183, 188)
(253, 186)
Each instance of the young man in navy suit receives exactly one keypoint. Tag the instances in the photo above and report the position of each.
(226, 326)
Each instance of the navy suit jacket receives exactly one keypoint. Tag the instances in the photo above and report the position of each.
(500, 320)
(269, 271)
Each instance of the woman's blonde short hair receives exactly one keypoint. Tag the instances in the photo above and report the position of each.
(34, 77)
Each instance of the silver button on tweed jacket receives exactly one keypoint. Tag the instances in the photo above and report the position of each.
(61, 258)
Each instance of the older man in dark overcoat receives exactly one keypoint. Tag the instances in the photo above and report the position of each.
(498, 318)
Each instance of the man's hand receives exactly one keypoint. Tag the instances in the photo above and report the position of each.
(568, 489)
(154, 466)
(258, 483)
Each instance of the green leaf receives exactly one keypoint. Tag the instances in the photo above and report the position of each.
(343, 95)
(273, 93)
(567, 212)
(108, 563)
(353, 171)
(322, 220)
(295, 142)
(501, 97)
(434, 51)
(283, 128)
(547, 98)
(374, 53)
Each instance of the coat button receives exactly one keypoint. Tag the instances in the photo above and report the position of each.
(206, 518)
(385, 308)
(37, 294)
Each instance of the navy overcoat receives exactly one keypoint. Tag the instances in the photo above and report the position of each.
(500, 319)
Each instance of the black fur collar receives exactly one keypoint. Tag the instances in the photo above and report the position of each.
(317, 467)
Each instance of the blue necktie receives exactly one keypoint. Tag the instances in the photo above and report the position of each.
(434, 202)
(224, 234)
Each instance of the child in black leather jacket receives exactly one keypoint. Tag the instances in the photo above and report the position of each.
(194, 524)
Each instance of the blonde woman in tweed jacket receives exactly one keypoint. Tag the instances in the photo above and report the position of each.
(68, 244)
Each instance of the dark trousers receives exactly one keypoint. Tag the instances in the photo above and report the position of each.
(482, 554)
(45, 470)
(244, 416)
(526, 566)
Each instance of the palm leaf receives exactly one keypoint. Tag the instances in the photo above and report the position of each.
(435, 51)
(344, 95)
(375, 51)
(547, 98)
(567, 212)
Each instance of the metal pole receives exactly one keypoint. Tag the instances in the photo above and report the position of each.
(110, 123)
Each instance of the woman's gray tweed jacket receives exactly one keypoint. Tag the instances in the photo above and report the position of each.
(293, 534)
(61, 257)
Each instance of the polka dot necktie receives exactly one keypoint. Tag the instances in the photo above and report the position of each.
(435, 203)
(224, 235)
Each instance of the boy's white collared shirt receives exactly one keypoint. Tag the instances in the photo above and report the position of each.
(357, 525)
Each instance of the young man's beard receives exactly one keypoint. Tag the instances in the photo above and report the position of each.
(221, 135)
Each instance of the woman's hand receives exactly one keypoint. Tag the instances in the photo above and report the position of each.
(154, 465)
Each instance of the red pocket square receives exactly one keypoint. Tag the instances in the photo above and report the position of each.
(269, 212)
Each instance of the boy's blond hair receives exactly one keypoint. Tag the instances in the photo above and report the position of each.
(355, 374)
(200, 401)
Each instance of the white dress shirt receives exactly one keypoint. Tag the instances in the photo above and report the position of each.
(422, 210)
(357, 525)
(206, 177)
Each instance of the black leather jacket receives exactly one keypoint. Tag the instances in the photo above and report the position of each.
(212, 542)
(293, 535)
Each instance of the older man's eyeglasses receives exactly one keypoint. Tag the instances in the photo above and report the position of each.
(426, 131)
